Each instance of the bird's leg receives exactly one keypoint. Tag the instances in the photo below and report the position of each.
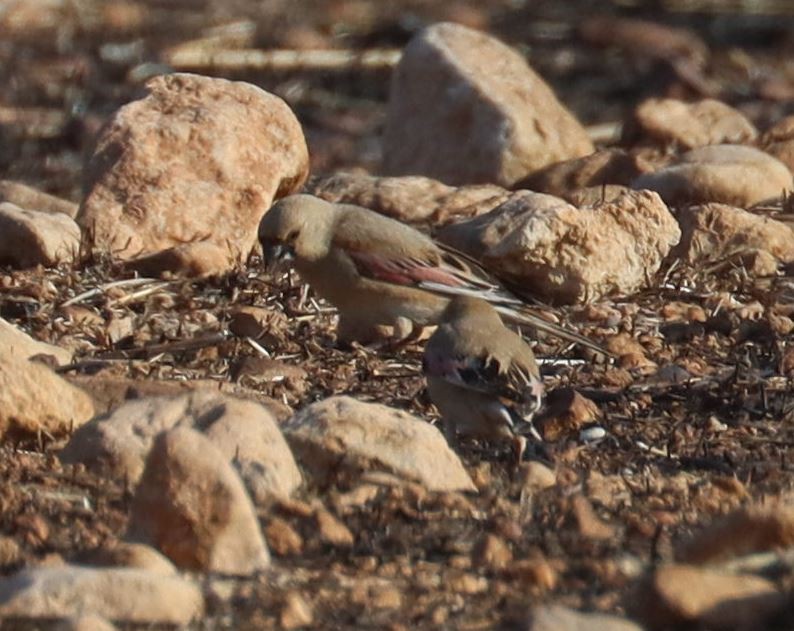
(519, 447)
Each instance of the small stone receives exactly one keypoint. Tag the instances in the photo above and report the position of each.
(282, 538)
(727, 174)
(467, 583)
(126, 554)
(536, 476)
(590, 525)
(778, 141)
(332, 531)
(678, 595)
(492, 553)
(10, 552)
(296, 613)
(32, 237)
(565, 412)
(536, 574)
(465, 108)
(559, 618)
(265, 325)
(191, 505)
(30, 198)
(201, 259)
(86, 622)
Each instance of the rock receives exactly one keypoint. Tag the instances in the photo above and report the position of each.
(332, 531)
(89, 622)
(343, 434)
(244, 432)
(714, 232)
(119, 594)
(410, 199)
(492, 553)
(778, 141)
(690, 125)
(30, 198)
(536, 476)
(191, 505)
(126, 554)
(565, 411)
(562, 254)
(32, 237)
(589, 524)
(33, 398)
(465, 108)
(748, 530)
(268, 326)
(25, 346)
(728, 174)
(201, 259)
(192, 165)
(282, 538)
(559, 618)
(608, 166)
(296, 612)
(677, 595)
(537, 575)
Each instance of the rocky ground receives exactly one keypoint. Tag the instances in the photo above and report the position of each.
(248, 471)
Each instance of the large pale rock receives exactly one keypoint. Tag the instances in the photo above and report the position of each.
(196, 160)
(718, 231)
(679, 595)
(748, 530)
(31, 198)
(33, 237)
(243, 431)
(411, 199)
(191, 505)
(33, 398)
(566, 254)
(20, 342)
(465, 108)
(558, 618)
(689, 125)
(778, 141)
(119, 594)
(729, 174)
(609, 166)
(342, 432)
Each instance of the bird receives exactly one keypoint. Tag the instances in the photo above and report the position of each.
(378, 271)
(482, 377)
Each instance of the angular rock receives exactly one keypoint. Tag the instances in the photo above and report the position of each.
(411, 199)
(564, 254)
(717, 231)
(778, 141)
(20, 342)
(33, 237)
(608, 166)
(88, 622)
(119, 594)
(191, 505)
(728, 174)
(244, 432)
(126, 554)
(564, 412)
(690, 125)
(748, 530)
(197, 159)
(678, 595)
(464, 108)
(33, 398)
(341, 433)
(31, 198)
(559, 618)
(196, 260)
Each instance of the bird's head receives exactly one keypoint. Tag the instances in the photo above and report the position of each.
(298, 227)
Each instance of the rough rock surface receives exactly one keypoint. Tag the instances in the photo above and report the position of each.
(198, 260)
(565, 254)
(608, 166)
(558, 618)
(33, 398)
(411, 198)
(31, 198)
(196, 159)
(730, 174)
(244, 432)
(465, 108)
(33, 237)
(719, 231)
(191, 505)
(13, 338)
(778, 141)
(678, 595)
(120, 594)
(342, 432)
(126, 554)
(690, 125)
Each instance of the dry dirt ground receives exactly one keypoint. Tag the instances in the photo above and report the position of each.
(678, 450)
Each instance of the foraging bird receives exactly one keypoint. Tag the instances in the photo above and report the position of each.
(482, 377)
(378, 271)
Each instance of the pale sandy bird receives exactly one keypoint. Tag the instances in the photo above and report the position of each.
(377, 271)
(482, 377)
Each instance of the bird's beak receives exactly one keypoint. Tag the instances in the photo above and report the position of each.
(277, 255)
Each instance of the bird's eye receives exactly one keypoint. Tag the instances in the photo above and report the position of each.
(292, 236)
